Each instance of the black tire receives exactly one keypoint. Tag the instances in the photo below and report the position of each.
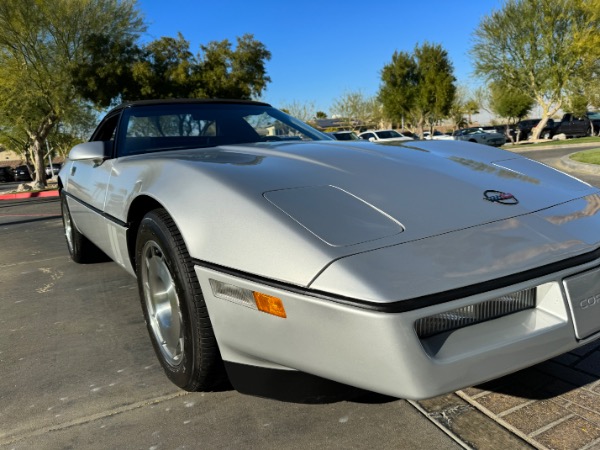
(546, 135)
(81, 249)
(178, 321)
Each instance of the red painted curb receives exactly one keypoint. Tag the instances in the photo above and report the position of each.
(19, 195)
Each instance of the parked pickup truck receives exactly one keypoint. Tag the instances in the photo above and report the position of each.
(572, 126)
(594, 117)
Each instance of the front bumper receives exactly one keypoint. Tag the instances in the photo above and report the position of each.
(381, 352)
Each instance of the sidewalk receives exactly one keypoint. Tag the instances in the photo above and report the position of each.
(553, 405)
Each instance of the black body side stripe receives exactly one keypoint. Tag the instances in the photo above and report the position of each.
(397, 306)
(97, 211)
(412, 304)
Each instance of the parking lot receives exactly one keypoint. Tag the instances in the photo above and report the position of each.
(78, 371)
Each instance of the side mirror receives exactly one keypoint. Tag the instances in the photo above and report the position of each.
(97, 151)
(371, 139)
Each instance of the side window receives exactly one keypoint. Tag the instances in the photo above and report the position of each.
(169, 125)
(107, 130)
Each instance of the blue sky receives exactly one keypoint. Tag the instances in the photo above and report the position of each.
(321, 49)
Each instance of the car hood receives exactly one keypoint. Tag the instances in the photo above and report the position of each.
(326, 200)
(430, 188)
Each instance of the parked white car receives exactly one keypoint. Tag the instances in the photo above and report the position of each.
(384, 136)
(480, 136)
(437, 136)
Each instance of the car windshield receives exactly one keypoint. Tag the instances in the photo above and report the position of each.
(349, 136)
(196, 125)
(387, 134)
(594, 115)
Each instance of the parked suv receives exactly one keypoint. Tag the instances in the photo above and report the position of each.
(6, 174)
(22, 173)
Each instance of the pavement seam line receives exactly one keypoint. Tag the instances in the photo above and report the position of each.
(591, 444)
(552, 425)
(516, 408)
(447, 431)
(480, 394)
(2, 266)
(593, 386)
(502, 422)
(90, 418)
(571, 402)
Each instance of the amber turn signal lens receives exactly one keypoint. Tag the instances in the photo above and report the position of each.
(269, 304)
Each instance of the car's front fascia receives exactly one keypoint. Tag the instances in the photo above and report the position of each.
(374, 344)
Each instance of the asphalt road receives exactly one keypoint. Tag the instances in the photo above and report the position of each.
(77, 369)
(552, 157)
(10, 185)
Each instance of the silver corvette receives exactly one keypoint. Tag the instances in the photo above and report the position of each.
(270, 254)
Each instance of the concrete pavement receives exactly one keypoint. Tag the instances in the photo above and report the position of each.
(77, 371)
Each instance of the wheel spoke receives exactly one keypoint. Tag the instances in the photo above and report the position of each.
(162, 303)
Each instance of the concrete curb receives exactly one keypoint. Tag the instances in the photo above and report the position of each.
(21, 195)
(526, 148)
(579, 166)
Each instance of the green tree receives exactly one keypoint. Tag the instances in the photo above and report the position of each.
(577, 104)
(222, 72)
(510, 104)
(321, 115)
(41, 41)
(166, 68)
(538, 48)
(420, 86)
(356, 110)
(471, 107)
(457, 110)
(163, 70)
(400, 84)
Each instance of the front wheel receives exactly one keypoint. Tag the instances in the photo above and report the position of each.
(174, 307)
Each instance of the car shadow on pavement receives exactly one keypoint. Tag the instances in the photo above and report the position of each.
(20, 202)
(28, 220)
(542, 382)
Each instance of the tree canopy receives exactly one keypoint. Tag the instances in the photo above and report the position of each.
(418, 86)
(539, 47)
(304, 111)
(356, 110)
(508, 103)
(166, 68)
(40, 44)
(59, 57)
